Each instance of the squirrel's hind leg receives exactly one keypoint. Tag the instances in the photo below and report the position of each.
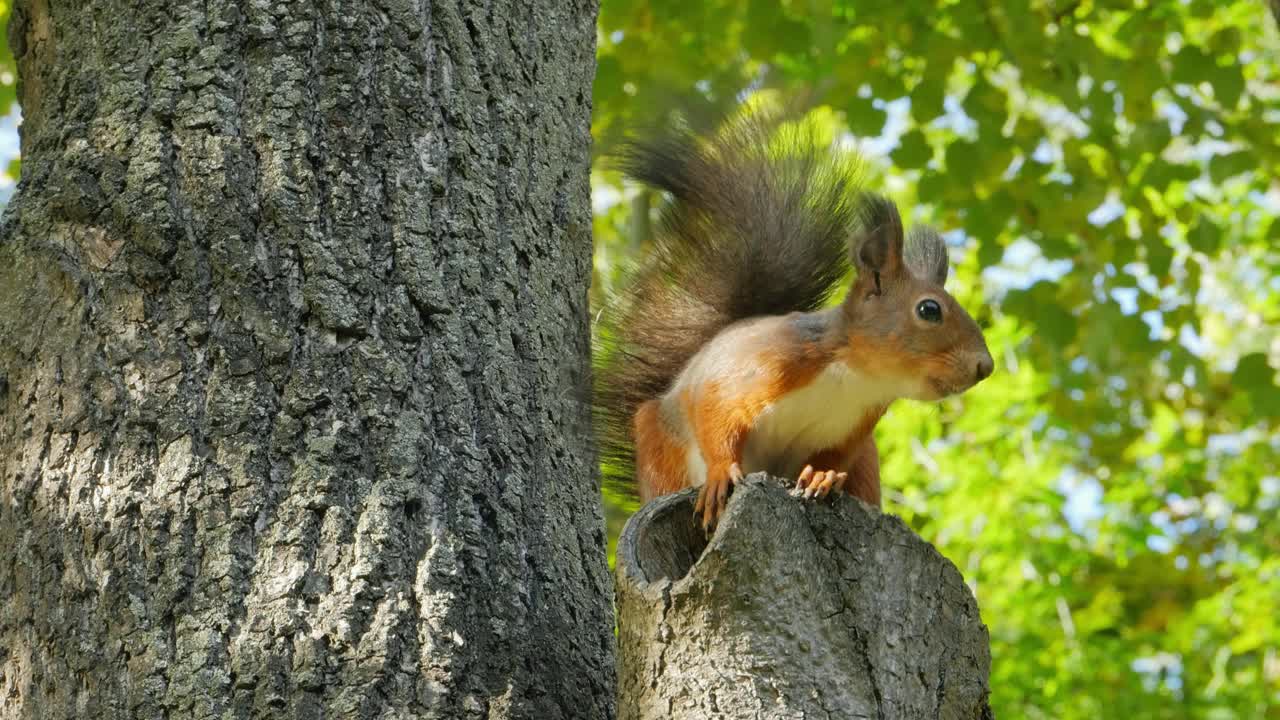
(864, 472)
(661, 461)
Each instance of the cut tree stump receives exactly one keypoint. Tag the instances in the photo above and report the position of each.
(792, 609)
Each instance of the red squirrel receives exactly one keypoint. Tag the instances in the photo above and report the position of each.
(720, 358)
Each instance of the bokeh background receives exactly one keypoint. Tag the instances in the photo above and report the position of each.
(1106, 173)
(10, 116)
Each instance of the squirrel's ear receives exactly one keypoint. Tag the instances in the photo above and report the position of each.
(879, 249)
(926, 255)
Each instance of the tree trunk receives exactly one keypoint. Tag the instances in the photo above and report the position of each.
(293, 355)
(792, 609)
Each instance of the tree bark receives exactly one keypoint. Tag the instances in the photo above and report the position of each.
(293, 363)
(792, 609)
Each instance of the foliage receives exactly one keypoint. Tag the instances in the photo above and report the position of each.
(1107, 172)
(8, 69)
(10, 163)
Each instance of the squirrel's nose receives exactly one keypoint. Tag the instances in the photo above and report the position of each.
(985, 366)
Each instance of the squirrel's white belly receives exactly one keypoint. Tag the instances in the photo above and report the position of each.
(816, 417)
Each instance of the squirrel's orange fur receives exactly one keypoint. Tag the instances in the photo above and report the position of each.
(724, 362)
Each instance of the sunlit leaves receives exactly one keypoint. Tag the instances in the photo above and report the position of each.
(1111, 491)
(8, 91)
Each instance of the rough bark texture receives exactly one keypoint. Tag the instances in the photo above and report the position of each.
(792, 609)
(292, 323)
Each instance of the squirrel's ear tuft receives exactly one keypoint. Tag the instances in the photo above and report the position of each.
(878, 249)
(926, 255)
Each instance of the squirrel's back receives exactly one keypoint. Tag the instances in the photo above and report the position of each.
(757, 222)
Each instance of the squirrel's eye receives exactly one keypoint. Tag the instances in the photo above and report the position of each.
(929, 310)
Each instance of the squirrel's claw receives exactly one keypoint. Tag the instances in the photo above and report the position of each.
(819, 483)
(710, 502)
(713, 496)
(833, 481)
(802, 482)
(700, 505)
(735, 473)
(820, 479)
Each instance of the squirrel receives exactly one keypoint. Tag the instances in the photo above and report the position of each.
(721, 356)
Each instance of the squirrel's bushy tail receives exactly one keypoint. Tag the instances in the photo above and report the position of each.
(757, 222)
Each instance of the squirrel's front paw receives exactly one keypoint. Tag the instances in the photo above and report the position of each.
(819, 483)
(713, 496)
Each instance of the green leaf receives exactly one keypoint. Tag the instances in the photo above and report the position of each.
(988, 221)
(1254, 379)
(1040, 305)
(927, 97)
(1159, 255)
(1253, 374)
(933, 186)
(770, 30)
(1160, 174)
(986, 104)
(990, 250)
(1228, 84)
(1192, 66)
(1152, 137)
(963, 159)
(865, 120)
(1225, 42)
(1222, 167)
(1205, 236)
(913, 151)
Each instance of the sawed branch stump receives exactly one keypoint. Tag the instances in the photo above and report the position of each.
(792, 609)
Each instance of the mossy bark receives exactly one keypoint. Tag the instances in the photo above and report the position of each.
(293, 357)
